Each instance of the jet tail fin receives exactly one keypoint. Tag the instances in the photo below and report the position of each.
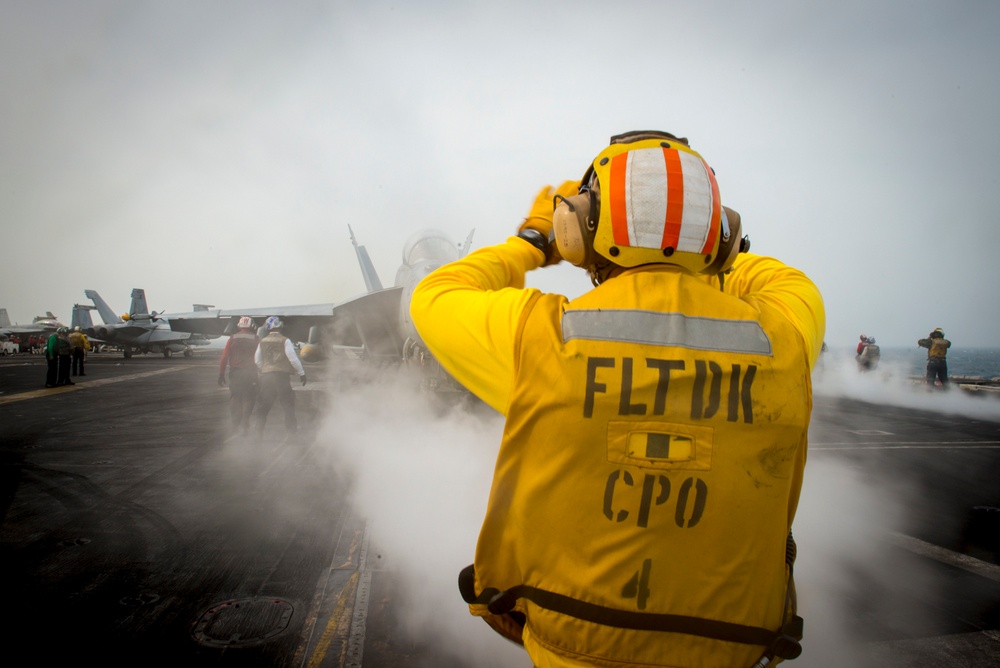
(107, 315)
(4, 318)
(138, 305)
(81, 317)
(372, 281)
(464, 247)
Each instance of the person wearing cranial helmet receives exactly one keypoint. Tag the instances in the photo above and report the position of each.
(64, 353)
(79, 346)
(238, 355)
(53, 377)
(937, 358)
(277, 360)
(868, 355)
(656, 426)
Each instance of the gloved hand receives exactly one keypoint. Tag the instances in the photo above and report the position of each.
(540, 216)
(303, 377)
(222, 380)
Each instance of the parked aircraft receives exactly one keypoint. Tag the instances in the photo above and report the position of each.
(374, 326)
(40, 324)
(138, 330)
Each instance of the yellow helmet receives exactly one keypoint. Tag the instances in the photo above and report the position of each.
(648, 198)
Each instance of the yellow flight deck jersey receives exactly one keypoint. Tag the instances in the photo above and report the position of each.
(654, 447)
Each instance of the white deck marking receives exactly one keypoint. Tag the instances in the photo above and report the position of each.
(945, 556)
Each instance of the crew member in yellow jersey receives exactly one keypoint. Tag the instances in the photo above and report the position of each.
(937, 357)
(655, 438)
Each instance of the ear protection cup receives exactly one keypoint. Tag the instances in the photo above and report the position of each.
(729, 246)
(573, 228)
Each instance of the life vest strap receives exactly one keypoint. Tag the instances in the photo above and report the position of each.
(783, 643)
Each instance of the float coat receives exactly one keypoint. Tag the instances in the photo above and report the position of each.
(938, 349)
(658, 476)
(272, 352)
(239, 351)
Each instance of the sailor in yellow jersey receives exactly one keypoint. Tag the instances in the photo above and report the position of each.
(655, 438)
(937, 357)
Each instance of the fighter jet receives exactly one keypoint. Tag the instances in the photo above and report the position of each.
(40, 324)
(374, 326)
(138, 330)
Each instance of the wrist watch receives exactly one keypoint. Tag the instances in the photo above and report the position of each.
(538, 240)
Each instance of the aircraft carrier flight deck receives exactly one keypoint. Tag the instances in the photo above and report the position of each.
(139, 529)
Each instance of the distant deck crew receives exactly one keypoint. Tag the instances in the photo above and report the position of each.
(868, 354)
(937, 357)
(655, 437)
(277, 361)
(63, 352)
(80, 345)
(238, 355)
(52, 359)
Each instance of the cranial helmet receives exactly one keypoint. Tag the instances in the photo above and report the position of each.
(648, 198)
(274, 322)
(246, 322)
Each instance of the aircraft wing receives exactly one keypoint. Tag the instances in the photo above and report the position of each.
(25, 330)
(368, 321)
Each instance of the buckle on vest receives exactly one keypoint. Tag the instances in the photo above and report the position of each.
(786, 647)
(786, 644)
(501, 603)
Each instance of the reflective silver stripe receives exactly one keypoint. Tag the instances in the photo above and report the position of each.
(666, 329)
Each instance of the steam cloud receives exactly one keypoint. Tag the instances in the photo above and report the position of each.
(837, 375)
(420, 473)
(845, 521)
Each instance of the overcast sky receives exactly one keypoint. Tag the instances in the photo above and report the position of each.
(215, 152)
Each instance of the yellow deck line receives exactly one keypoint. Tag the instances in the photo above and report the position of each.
(84, 385)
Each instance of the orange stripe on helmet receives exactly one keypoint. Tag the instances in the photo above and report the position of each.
(619, 213)
(675, 198)
(716, 223)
